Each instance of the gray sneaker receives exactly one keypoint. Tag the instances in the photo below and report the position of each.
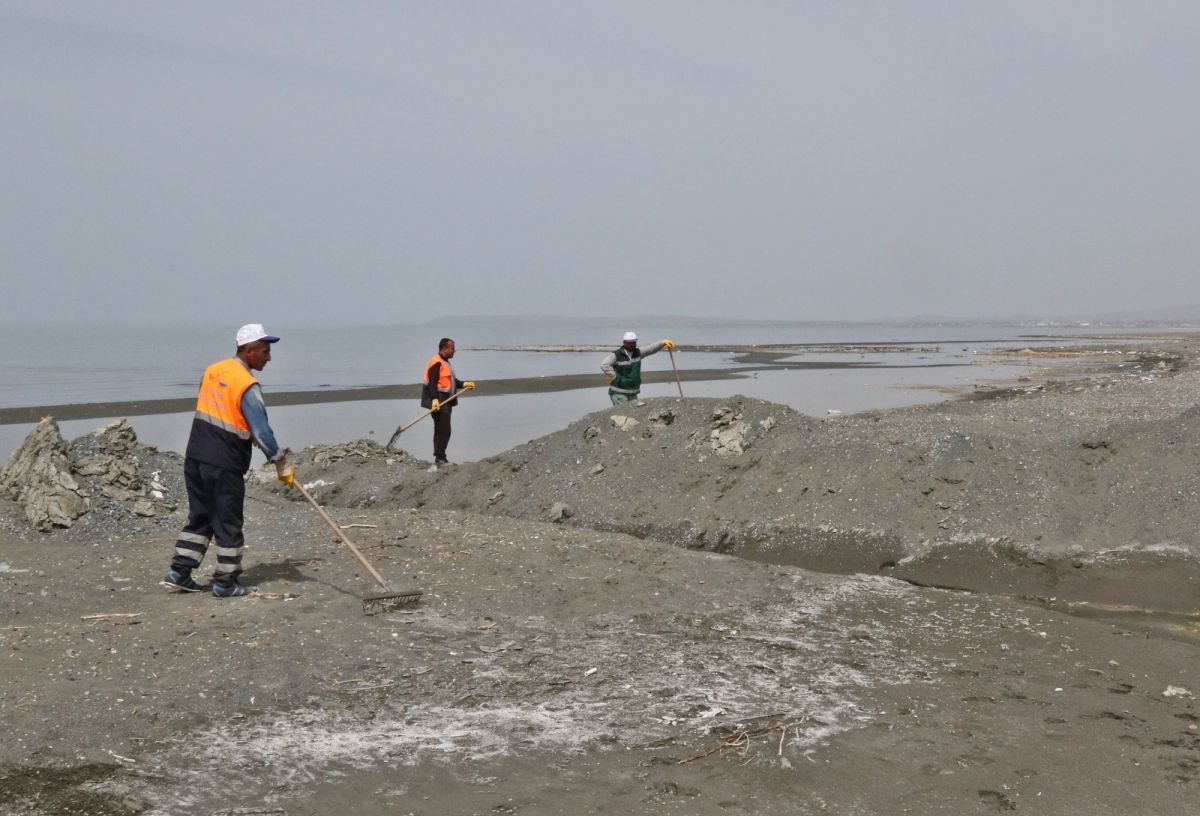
(181, 581)
(232, 590)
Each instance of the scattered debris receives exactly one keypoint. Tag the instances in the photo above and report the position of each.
(113, 617)
(741, 739)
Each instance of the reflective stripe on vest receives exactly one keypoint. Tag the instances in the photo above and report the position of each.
(446, 376)
(220, 399)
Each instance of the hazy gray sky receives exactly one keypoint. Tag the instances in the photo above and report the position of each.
(393, 161)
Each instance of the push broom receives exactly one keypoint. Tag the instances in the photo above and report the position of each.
(381, 601)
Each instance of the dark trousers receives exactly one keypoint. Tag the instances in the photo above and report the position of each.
(441, 432)
(215, 499)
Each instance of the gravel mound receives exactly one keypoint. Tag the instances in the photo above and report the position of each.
(1012, 491)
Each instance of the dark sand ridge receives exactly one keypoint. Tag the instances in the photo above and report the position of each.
(566, 666)
(749, 359)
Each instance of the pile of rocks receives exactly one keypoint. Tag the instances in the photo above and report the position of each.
(38, 477)
(110, 457)
(56, 483)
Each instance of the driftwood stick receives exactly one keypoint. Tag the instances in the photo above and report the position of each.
(741, 739)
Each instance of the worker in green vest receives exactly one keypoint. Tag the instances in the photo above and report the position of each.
(623, 367)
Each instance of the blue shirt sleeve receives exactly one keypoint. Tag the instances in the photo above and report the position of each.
(255, 412)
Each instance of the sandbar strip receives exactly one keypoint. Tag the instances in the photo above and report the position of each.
(175, 405)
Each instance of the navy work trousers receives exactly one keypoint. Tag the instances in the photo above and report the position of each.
(215, 499)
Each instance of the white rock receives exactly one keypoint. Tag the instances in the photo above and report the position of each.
(624, 423)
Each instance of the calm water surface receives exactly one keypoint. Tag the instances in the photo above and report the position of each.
(95, 365)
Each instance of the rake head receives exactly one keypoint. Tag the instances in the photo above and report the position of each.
(387, 601)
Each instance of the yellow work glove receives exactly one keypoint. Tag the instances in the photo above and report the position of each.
(285, 471)
(612, 380)
(469, 385)
(669, 345)
(437, 406)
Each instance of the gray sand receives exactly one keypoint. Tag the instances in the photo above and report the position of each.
(725, 607)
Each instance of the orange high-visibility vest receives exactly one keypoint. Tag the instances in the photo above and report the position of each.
(446, 375)
(220, 400)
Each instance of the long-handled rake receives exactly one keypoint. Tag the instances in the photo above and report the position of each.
(379, 602)
(408, 425)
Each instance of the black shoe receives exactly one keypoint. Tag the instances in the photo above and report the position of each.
(232, 590)
(182, 581)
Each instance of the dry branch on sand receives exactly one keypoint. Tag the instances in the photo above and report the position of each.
(741, 738)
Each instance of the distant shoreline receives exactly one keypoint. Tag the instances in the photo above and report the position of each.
(749, 359)
(755, 361)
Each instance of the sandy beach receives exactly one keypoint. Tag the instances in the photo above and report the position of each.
(701, 606)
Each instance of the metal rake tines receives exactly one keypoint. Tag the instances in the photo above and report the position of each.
(384, 601)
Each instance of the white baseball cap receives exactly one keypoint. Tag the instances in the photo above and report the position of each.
(629, 337)
(252, 332)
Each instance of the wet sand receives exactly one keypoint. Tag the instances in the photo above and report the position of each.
(559, 670)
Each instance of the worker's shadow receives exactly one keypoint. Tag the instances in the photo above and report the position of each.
(277, 571)
(290, 571)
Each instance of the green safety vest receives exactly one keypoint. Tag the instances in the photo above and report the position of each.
(628, 368)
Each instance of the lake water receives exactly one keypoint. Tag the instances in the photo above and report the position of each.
(95, 365)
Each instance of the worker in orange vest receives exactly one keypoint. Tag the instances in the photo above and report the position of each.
(440, 385)
(230, 417)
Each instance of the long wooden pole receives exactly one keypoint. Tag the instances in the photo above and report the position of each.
(676, 370)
